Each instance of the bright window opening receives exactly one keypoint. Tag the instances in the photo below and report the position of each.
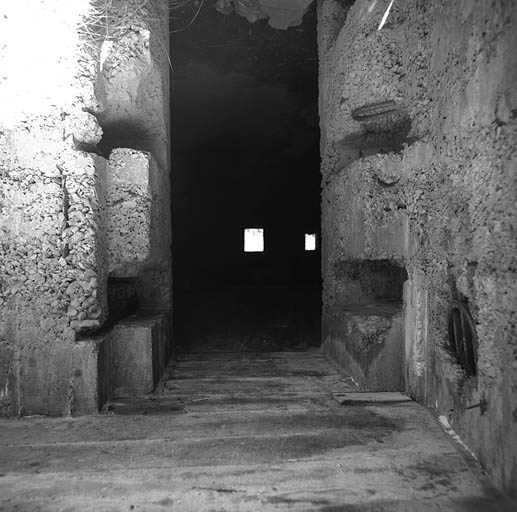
(310, 242)
(254, 240)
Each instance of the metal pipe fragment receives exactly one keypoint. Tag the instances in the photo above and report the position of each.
(375, 110)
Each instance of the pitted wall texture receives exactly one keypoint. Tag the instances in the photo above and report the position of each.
(52, 239)
(133, 89)
(430, 185)
(94, 67)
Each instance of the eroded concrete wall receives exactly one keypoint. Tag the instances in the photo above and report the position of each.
(418, 147)
(91, 77)
(52, 278)
(133, 89)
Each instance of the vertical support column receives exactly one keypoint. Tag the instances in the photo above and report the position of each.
(135, 115)
(134, 85)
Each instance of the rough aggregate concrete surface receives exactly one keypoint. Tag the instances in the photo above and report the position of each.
(58, 243)
(133, 89)
(431, 187)
(134, 81)
(52, 280)
(136, 213)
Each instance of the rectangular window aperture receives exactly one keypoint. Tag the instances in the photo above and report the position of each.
(254, 240)
(310, 242)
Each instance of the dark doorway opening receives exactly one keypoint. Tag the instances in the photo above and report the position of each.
(245, 155)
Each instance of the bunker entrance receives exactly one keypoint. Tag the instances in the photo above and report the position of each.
(245, 184)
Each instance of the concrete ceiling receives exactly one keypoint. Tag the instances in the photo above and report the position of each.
(280, 14)
(244, 85)
(271, 56)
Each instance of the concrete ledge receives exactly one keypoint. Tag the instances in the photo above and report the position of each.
(139, 354)
(127, 360)
(369, 346)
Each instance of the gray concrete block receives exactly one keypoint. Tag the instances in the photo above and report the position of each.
(369, 345)
(91, 375)
(139, 350)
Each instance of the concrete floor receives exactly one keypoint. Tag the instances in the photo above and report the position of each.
(243, 432)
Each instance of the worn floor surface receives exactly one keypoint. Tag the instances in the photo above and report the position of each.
(243, 432)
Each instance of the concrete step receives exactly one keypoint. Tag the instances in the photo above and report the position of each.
(127, 360)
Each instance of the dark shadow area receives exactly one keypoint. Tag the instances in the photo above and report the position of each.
(122, 298)
(245, 154)
(260, 319)
(122, 303)
(128, 134)
(369, 281)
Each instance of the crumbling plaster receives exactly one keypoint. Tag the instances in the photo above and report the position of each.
(438, 199)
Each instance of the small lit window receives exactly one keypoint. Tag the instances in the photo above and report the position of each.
(254, 240)
(310, 242)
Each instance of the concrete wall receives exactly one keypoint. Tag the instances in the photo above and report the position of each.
(418, 147)
(55, 234)
(52, 244)
(133, 90)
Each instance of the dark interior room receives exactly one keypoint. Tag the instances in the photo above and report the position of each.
(245, 132)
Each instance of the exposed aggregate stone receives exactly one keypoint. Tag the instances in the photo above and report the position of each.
(51, 246)
(453, 182)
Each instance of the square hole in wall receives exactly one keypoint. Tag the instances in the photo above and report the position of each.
(254, 240)
(310, 242)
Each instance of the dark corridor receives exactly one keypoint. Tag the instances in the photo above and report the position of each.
(245, 154)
